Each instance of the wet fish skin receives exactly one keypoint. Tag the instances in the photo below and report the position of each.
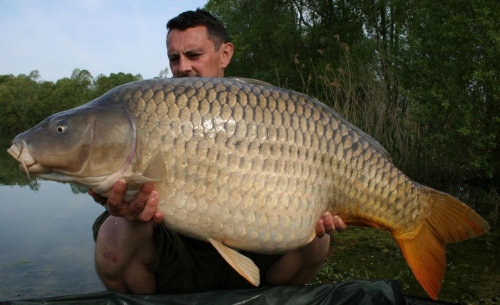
(253, 167)
(222, 165)
(283, 154)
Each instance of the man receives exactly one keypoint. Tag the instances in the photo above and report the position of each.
(198, 45)
(135, 253)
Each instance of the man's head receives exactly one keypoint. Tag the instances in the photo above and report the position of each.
(198, 45)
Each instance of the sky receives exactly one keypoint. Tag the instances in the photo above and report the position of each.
(102, 36)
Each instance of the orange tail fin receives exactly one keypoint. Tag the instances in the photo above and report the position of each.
(449, 220)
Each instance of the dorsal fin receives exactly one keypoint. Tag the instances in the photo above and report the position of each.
(250, 81)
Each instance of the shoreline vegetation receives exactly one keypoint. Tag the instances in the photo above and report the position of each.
(420, 77)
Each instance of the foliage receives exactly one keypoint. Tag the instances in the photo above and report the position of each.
(163, 73)
(420, 76)
(261, 50)
(103, 84)
(25, 100)
(453, 58)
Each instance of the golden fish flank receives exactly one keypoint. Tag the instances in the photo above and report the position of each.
(251, 166)
(236, 159)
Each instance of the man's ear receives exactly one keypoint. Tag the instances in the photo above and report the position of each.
(227, 54)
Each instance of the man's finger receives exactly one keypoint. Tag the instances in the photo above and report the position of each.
(117, 192)
(140, 201)
(339, 224)
(320, 228)
(328, 223)
(147, 187)
(97, 198)
(150, 208)
(157, 218)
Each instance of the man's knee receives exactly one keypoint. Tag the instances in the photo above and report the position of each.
(299, 266)
(314, 254)
(123, 252)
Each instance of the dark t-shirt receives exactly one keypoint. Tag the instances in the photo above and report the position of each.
(183, 265)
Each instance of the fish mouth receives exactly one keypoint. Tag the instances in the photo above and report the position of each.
(27, 163)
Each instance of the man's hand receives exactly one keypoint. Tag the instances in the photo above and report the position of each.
(141, 208)
(328, 224)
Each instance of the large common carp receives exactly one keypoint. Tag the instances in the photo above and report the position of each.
(248, 166)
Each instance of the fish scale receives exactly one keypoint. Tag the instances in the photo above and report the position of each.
(245, 165)
(266, 112)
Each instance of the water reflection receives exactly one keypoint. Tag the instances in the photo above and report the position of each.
(47, 246)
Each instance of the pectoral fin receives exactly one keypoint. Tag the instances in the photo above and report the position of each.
(156, 168)
(139, 179)
(155, 172)
(242, 264)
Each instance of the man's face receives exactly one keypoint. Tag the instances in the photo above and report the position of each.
(192, 54)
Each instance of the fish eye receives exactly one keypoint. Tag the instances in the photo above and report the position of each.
(61, 127)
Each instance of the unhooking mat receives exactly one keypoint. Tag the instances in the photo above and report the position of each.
(351, 292)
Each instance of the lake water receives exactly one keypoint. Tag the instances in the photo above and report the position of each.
(46, 242)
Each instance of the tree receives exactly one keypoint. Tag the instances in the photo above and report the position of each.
(18, 98)
(451, 71)
(435, 63)
(103, 84)
(163, 73)
(25, 100)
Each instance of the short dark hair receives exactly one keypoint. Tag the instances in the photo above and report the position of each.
(216, 31)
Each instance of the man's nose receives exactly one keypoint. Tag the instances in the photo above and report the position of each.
(184, 65)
